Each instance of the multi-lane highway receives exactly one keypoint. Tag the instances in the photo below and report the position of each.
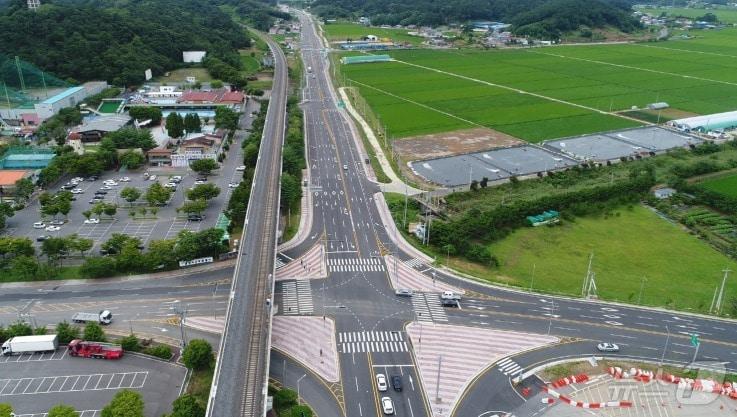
(240, 381)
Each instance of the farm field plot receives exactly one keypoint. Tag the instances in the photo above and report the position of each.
(431, 91)
(343, 31)
(725, 15)
(627, 246)
(726, 185)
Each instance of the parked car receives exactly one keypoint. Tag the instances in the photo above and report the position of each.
(607, 347)
(397, 383)
(124, 179)
(52, 228)
(176, 178)
(345, 167)
(57, 222)
(96, 200)
(200, 182)
(195, 217)
(387, 405)
(241, 168)
(106, 187)
(92, 221)
(77, 191)
(100, 192)
(110, 183)
(145, 175)
(39, 225)
(233, 185)
(381, 382)
(152, 178)
(92, 178)
(42, 238)
(170, 185)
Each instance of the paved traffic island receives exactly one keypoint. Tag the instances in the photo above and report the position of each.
(404, 275)
(310, 341)
(311, 265)
(449, 357)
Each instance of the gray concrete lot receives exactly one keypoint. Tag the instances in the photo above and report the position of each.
(167, 222)
(34, 383)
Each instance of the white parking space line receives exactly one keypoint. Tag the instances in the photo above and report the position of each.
(35, 357)
(82, 413)
(73, 383)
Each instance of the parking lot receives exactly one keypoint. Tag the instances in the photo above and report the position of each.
(166, 224)
(34, 383)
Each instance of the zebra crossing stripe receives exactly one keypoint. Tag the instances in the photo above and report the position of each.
(372, 341)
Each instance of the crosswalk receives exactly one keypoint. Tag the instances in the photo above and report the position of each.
(428, 309)
(279, 263)
(509, 367)
(414, 263)
(355, 265)
(378, 341)
(297, 297)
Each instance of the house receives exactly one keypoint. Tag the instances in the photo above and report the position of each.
(159, 157)
(220, 96)
(204, 144)
(93, 129)
(663, 193)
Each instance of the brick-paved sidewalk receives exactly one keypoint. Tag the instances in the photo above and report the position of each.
(309, 340)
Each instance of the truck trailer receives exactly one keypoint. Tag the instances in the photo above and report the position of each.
(30, 344)
(103, 317)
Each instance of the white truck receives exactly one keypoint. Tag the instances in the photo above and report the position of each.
(103, 317)
(450, 295)
(30, 344)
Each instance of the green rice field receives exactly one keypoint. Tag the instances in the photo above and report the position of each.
(726, 185)
(343, 31)
(544, 93)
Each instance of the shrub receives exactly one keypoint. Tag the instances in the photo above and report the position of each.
(160, 351)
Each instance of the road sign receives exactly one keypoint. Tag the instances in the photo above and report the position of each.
(695, 340)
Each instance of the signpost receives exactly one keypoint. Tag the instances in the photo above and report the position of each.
(696, 344)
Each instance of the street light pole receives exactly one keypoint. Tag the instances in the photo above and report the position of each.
(298, 381)
(552, 313)
(667, 338)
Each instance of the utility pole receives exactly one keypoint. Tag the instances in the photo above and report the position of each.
(720, 298)
(552, 313)
(667, 338)
(404, 222)
(588, 290)
(642, 287)
(532, 279)
(437, 381)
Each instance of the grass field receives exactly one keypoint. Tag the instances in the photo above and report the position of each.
(724, 14)
(343, 31)
(564, 89)
(631, 245)
(180, 75)
(723, 185)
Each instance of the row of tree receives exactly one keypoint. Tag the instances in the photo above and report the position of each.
(293, 157)
(176, 125)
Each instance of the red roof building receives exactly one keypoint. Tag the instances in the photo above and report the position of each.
(222, 96)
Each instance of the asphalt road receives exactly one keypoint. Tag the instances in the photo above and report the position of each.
(239, 385)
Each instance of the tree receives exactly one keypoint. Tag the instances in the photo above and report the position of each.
(130, 194)
(54, 248)
(19, 328)
(204, 166)
(160, 351)
(216, 84)
(23, 189)
(66, 332)
(285, 398)
(79, 244)
(93, 332)
(129, 138)
(129, 258)
(203, 192)
(193, 207)
(25, 267)
(157, 194)
(11, 246)
(6, 410)
(291, 191)
(126, 403)
(250, 154)
(143, 113)
(161, 254)
(117, 241)
(226, 118)
(5, 211)
(132, 159)
(62, 410)
(87, 164)
(197, 354)
(98, 267)
(187, 406)
(174, 125)
(130, 343)
(192, 123)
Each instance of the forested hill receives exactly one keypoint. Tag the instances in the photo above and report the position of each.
(541, 18)
(117, 40)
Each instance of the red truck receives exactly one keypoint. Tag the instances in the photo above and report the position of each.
(94, 350)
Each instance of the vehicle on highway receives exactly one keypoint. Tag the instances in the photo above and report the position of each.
(106, 188)
(445, 302)
(42, 238)
(52, 228)
(30, 344)
(607, 347)
(94, 350)
(404, 292)
(176, 179)
(92, 221)
(450, 295)
(103, 317)
(233, 185)
(241, 168)
(397, 383)
(381, 382)
(124, 179)
(387, 405)
(77, 191)
(39, 225)
(345, 167)
(195, 217)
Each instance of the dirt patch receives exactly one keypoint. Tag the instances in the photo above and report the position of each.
(672, 113)
(452, 143)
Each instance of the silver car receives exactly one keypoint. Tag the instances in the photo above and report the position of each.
(607, 347)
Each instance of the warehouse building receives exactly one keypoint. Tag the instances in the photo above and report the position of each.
(707, 123)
